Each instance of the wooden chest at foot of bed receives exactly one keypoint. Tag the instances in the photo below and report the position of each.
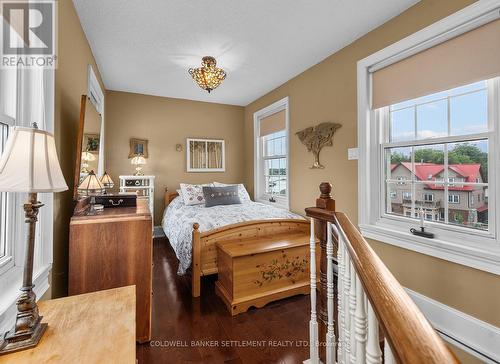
(256, 271)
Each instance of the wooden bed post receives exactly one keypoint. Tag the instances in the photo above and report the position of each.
(196, 270)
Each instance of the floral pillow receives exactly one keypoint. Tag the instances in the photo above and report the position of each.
(242, 191)
(193, 194)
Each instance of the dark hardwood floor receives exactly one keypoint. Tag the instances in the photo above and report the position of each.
(200, 330)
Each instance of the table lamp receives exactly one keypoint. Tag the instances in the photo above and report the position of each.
(138, 161)
(106, 181)
(91, 185)
(30, 165)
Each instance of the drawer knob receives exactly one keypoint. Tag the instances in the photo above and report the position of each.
(118, 203)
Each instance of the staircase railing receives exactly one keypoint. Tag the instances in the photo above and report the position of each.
(368, 317)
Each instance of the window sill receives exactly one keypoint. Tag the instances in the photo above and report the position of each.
(10, 282)
(282, 204)
(483, 254)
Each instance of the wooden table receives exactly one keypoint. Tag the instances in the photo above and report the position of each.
(96, 327)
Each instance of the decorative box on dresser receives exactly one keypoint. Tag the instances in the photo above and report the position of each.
(113, 249)
(144, 186)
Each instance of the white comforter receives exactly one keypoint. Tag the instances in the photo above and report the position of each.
(178, 222)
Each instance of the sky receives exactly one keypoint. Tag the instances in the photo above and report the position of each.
(468, 107)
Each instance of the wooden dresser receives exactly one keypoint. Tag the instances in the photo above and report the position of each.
(113, 249)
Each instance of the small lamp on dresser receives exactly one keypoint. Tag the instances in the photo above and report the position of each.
(138, 161)
(106, 182)
(91, 186)
(30, 165)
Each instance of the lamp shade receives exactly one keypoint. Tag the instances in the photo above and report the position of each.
(138, 160)
(106, 181)
(90, 183)
(30, 164)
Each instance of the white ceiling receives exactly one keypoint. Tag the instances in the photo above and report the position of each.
(147, 46)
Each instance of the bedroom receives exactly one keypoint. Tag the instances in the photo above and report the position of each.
(125, 68)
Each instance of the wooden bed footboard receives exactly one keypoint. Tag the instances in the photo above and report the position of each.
(204, 253)
(204, 244)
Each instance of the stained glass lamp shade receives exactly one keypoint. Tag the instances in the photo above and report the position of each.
(208, 76)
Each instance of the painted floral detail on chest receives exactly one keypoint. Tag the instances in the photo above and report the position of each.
(284, 268)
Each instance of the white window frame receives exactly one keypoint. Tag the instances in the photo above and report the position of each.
(473, 248)
(259, 184)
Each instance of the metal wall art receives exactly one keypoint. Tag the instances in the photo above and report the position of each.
(316, 137)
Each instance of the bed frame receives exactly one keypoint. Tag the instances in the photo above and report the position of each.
(204, 255)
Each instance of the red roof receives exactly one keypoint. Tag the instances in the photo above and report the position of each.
(430, 171)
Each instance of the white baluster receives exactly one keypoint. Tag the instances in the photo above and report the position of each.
(373, 352)
(340, 301)
(330, 333)
(360, 323)
(347, 316)
(313, 324)
(388, 355)
(352, 314)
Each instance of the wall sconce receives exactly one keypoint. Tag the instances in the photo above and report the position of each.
(178, 147)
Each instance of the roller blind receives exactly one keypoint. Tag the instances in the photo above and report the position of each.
(272, 123)
(470, 57)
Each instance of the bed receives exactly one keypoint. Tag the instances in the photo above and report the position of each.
(193, 231)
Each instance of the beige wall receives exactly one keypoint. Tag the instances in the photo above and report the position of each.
(74, 55)
(166, 122)
(327, 92)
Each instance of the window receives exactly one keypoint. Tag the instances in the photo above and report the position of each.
(453, 133)
(8, 106)
(454, 198)
(401, 180)
(394, 194)
(271, 154)
(406, 195)
(432, 138)
(428, 197)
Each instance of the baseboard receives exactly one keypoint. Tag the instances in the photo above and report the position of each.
(474, 336)
(158, 232)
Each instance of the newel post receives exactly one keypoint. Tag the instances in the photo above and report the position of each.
(327, 203)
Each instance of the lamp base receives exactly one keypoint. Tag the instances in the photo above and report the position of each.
(13, 341)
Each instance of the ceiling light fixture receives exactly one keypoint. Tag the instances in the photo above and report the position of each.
(208, 76)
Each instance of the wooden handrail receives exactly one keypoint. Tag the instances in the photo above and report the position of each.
(412, 338)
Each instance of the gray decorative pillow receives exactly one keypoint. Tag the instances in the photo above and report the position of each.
(227, 195)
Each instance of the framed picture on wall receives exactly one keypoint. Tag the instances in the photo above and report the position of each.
(138, 146)
(205, 155)
(91, 143)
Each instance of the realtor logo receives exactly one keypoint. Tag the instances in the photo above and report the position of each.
(28, 33)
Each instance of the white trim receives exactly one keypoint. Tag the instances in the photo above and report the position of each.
(472, 335)
(471, 17)
(188, 155)
(96, 97)
(476, 249)
(275, 107)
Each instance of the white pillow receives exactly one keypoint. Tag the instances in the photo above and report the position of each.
(193, 194)
(242, 191)
(179, 192)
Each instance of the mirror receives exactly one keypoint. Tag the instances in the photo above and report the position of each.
(88, 149)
